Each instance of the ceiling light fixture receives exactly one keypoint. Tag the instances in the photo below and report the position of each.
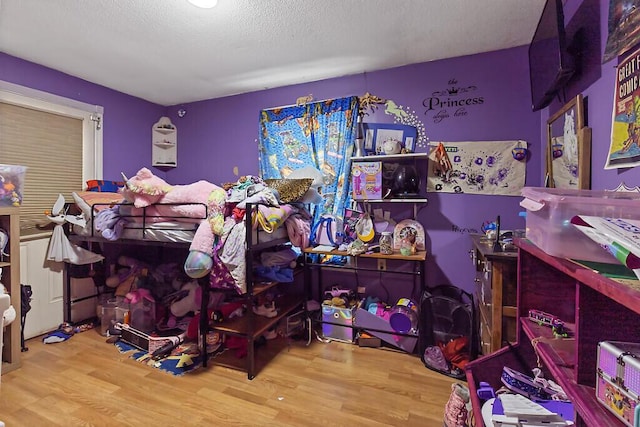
(205, 4)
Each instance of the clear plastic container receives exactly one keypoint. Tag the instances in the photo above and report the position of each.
(549, 213)
(386, 243)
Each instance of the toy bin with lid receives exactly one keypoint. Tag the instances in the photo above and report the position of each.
(549, 213)
(337, 323)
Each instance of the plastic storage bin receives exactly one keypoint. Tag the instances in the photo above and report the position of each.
(549, 213)
(12, 178)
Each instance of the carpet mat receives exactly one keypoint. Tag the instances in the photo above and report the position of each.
(183, 359)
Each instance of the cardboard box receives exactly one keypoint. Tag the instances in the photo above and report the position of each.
(144, 341)
(377, 326)
(549, 213)
(337, 323)
(366, 180)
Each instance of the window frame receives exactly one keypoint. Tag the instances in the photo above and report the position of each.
(91, 116)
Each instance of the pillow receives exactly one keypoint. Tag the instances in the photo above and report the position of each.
(85, 200)
(289, 190)
(102, 185)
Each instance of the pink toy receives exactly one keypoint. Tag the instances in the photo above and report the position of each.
(146, 189)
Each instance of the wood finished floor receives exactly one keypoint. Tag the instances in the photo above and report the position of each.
(86, 382)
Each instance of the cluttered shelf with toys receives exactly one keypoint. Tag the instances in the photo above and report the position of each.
(591, 310)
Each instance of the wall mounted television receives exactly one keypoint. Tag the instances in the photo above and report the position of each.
(550, 63)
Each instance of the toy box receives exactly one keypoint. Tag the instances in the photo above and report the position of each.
(366, 180)
(615, 399)
(618, 378)
(549, 213)
(12, 178)
(618, 362)
(377, 326)
(145, 341)
(336, 317)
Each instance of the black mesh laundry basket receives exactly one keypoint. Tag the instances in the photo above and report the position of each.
(449, 329)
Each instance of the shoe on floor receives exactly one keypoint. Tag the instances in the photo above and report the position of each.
(261, 310)
(270, 335)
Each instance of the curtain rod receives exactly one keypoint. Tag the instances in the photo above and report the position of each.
(298, 104)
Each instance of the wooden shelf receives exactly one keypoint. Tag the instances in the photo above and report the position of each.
(594, 307)
(418, 256)
(241, 326)
(10, 221)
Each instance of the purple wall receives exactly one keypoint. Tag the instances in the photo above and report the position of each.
(127, 119)
(219, 134)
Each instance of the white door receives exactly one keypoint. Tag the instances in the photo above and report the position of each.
(46, 280)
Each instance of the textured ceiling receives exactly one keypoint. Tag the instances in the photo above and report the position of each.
(170, 52)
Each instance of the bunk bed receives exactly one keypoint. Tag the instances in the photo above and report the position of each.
(257, 225)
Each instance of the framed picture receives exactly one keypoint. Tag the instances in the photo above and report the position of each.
(397, 135)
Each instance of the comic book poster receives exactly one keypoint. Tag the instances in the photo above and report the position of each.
(624, 151)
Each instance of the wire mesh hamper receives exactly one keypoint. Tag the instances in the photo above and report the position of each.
(448, 323)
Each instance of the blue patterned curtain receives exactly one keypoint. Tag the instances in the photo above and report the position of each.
(320, 134)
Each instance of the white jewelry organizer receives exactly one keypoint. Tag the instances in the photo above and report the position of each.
(164, 143)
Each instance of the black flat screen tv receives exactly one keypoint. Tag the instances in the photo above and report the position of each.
(550, 63)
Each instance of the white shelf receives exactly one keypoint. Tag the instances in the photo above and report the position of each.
(407, 200)
(164, 131)
(390, 157)
(164, 143)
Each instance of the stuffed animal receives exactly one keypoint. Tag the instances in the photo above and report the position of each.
(146, 189)
(124, 279)
(188, 303)
(10, 313)
(192, 301)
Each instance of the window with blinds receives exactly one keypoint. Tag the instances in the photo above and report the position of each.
(50, 146)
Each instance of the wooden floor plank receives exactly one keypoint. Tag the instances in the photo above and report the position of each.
(86, 382)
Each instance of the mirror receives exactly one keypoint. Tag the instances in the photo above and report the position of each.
(568, 161)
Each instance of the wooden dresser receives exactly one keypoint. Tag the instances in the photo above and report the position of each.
(496, 292)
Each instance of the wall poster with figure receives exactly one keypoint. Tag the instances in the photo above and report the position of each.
(624, 150)
(478, 167)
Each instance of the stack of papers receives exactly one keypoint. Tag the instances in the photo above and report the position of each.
(620, 237)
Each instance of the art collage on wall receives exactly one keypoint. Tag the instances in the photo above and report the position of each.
(477, 167)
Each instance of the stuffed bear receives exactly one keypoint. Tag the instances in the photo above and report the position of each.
(146, 189)
(124, 280)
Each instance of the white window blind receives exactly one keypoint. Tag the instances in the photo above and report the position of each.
(51, 147)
